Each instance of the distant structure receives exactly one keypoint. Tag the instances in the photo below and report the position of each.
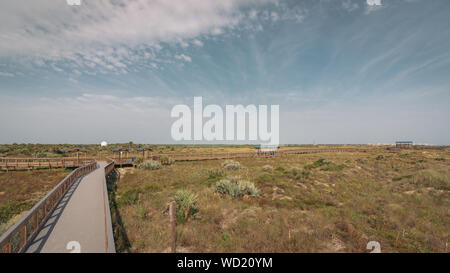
(267, 149)
(143, 149)
(104, 144)
(79, 150)
(404, 144)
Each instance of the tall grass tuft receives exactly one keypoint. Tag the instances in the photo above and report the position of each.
(139, 160)
(231, 165)
(186, 205)
(165, 160)
(215, 173)
(150, 165)
(236, 187)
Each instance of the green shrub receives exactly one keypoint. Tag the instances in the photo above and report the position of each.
(130, 197)
(267, 168)
(10, 209)
(187, 205)
(333, 167)
(216, 173)
(379, 157)
(141, 213)
(319, 163)
(139, 160)
(41, 155)
(302, 175)
(150, 165)
(231, 165)
(294, 171)
(165, 160)
(236, 187)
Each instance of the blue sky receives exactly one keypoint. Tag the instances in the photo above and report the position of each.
(342, 71)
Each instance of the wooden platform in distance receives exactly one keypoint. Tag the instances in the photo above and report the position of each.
(131, 161)
(37, 163)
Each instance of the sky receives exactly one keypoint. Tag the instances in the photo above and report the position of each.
(342, 71)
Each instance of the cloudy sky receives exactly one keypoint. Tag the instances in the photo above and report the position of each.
(342, 71)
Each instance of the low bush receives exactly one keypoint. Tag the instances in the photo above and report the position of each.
(150, 165)
(236, 187)
(165, 160)
(187, 205)
(333, 167)
(294, 171)
(139, 160)
(231, 165)
(319, 163)
(267, 168)
(302, 175)
(216, 173)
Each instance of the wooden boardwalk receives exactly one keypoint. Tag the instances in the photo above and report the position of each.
(82, 218)
(39, 163)
(75, 213)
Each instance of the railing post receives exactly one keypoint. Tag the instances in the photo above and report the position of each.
(23, 236)
(7, 247)
(172, 217)
(36, 220)
(44, 210)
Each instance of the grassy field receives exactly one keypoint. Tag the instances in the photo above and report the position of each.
(325, 202)
(20, 190)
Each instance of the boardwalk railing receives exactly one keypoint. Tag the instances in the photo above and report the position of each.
(110, 246)
(210, 156)
(18, 236)
(32, 163)
(109, 167)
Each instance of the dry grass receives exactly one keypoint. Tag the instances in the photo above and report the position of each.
(400, 200)
(20, 190)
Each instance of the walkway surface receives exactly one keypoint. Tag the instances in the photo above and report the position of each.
(81, 222)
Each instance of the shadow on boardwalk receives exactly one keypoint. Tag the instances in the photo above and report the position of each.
(120, 236)
(41, 237)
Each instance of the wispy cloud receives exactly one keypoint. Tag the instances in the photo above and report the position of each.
(110, 35)
(6, 74)
(183, 57)
(349, 5)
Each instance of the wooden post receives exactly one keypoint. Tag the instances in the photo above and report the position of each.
(172, 211)
(36, 221)
(23, 236)
(7, 247)
(44, 212)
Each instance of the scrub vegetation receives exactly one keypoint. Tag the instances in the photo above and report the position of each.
(20, 190)
(324, 202)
